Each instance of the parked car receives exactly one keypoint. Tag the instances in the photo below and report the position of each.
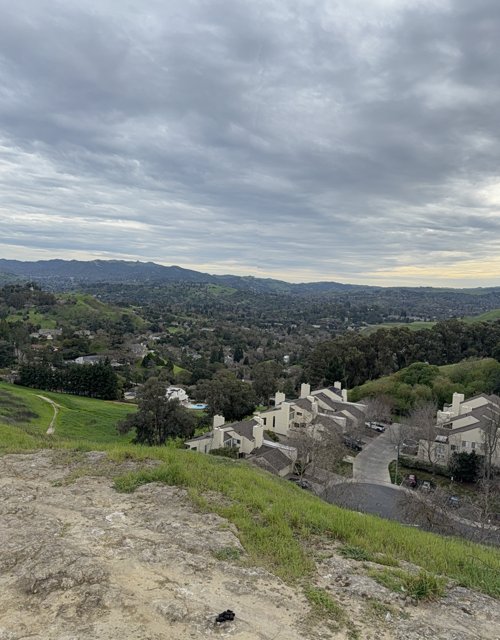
(454, 501)
(353, 443)
(426, 486)
(375, 426)
(411, 480)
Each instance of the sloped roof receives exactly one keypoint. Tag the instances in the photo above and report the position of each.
(303, 403)
(243, 428)
(272, 457)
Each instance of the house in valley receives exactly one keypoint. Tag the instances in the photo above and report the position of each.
(465, 425)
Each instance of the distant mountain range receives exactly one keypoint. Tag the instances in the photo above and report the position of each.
(64, 272)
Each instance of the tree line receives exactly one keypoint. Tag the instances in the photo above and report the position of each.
(92, 380)
(354, 358)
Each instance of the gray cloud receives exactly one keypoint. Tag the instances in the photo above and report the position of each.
(306, 140)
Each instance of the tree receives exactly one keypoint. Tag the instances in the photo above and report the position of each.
(318, 449)
(238, 354)
(265, 379)
(228, 396)
(464, 466)
(379, 408)
(490, 480)
(157, 419)
(422, 422)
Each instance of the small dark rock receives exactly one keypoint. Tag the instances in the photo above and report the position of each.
(225, 616)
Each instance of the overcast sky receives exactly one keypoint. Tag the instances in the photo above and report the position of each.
(351, 140)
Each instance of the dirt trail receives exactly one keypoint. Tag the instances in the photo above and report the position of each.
(56, 408)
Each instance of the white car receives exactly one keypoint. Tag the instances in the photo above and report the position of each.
(375, 426)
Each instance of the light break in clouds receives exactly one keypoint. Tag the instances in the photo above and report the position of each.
(299, 139)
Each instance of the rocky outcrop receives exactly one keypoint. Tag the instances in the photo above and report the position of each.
(79, 561)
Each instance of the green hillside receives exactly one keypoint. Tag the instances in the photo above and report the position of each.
(74, 309)
(412, 326)
(488, 316)
(25, 417)
(423, 382)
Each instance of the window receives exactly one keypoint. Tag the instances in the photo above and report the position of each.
(453, 447)
(274, 421)
(265, 421)
(473, 445)
(464, 444)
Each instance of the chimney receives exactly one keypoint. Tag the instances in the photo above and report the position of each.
(337, 385)
(305, 390)
(342, 422)
(457, 400)
(218, 421)
(314, 404)
(344, 395)
(258, 432)
(279, 397)
(218, 438)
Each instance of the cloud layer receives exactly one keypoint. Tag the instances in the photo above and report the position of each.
(299, 139)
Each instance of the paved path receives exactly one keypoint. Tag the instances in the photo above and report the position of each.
(55, 406)
(372, 464)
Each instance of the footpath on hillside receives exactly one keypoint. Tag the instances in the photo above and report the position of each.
(51, 429)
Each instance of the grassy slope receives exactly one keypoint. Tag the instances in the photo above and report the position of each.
(79, 419)
(461, 373)
(413, 326)
(74, 309)
(277, 522)
(488, 316)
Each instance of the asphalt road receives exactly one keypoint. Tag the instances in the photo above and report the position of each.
(394, 504)
(372, 464)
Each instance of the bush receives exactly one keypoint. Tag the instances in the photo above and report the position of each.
(423, 465)
(225, 452)
(465, 467)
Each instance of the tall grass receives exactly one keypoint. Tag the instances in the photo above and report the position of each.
(276, 521)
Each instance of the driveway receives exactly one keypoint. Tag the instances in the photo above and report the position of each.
(372, 464)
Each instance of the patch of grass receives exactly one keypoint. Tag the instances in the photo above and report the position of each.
(457, 488)
(380, 609)
(227, 553)
(355, 553)
(323, 605)
(421, 586)
(361, 555)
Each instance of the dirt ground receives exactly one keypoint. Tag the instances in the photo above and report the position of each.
(79, 561)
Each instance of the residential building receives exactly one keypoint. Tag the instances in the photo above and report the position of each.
(247, 437)
(462, 426)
